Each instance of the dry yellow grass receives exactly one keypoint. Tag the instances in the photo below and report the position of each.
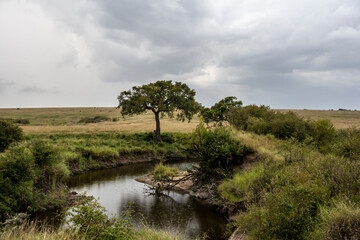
(340, 119)
(65, 120)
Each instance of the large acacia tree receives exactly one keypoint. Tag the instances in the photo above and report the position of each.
(162, 98)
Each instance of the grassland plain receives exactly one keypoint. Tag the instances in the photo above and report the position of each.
(66, 120)
(340, 118)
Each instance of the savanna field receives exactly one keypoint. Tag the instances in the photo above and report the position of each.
(288, 176)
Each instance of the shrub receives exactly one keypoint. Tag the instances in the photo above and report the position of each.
(218, 152)
(163, 173)
(262, 120)
(90, 220)
(287, 213)
(323, 134)
(347, 144)
(239, 116)
(95, 119)
(341, 221)
(32, 176)
(9, 133)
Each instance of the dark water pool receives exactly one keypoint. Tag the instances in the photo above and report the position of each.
(116, 188)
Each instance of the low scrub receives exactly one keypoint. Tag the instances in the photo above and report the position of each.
(162, 173)
(95, 119)
(340, 221)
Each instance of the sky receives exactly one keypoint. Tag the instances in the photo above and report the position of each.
(280, 53)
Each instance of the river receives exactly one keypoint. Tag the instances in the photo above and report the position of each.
(116, 189)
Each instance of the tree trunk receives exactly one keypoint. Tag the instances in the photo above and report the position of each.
(157, 131)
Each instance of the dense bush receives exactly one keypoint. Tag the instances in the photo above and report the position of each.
(347, 144)
(9, 132)
(217, 151)
(287, 213)
(263, 120)
(31, 178)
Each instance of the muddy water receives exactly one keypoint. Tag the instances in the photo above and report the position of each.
(116, 189)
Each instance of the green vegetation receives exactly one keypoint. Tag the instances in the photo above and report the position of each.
(161, 97)
(218, 112)
(163, 173)
(32, 178)
(287, 189)
(339, 221)
(87, 220)
(217, 151)
(301, 182)
(16, 120)
(33, 172)
(9, 133)
(90, 221)
(95, 119)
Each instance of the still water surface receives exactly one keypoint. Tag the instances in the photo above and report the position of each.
(116, 188)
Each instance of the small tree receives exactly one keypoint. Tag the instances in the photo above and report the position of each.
(218, 112)
(161, 97)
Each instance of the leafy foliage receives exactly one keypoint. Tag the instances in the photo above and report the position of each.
(218, 112)
(90, 220)
(32, 178)
(217, 151)
(161, 97)
(9, 133)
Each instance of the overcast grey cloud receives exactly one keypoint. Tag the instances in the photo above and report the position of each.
(286, 54)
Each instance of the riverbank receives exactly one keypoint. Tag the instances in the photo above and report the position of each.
(34, 171)
(182, 182)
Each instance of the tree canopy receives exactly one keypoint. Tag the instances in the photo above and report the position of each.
(217, 113)
(162, 98)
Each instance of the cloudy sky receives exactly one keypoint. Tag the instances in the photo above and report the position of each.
(281, 53)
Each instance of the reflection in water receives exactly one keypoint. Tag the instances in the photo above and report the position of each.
(116, 188)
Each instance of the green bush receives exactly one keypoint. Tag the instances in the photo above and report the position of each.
(323, 134)
(90, 220)
(287, 213)
(347, 144)
(217, 151)
(163, 173)
(239, 116)
(32, 176)
(9, 133)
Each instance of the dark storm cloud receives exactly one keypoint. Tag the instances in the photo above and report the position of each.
(188, 36)
(272, 53)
